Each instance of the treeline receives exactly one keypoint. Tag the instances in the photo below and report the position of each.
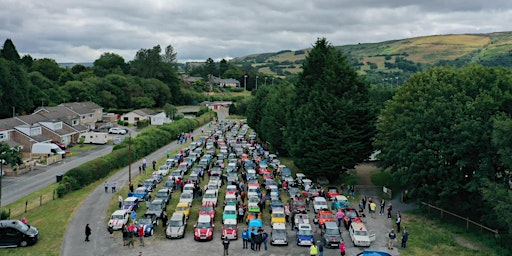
(148, 81)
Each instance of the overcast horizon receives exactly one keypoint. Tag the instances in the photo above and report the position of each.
(80, 31)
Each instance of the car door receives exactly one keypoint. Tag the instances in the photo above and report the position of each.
(9, 236)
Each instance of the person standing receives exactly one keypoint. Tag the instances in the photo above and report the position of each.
(264, 237)
(241, 214)
(154, 165)
(253, 238)
(313, 250)
(390, 208)
(373, 208)
(342, 249)
(124, 230)
(120, 199)
(140, 232)
(106, 186)
(114, 185)
(339, 215)
(87, 232)
(144, 164)
(111, 230)
(398, 221)
(24, 220)
(258, 239)
(164, 219)
(245, 238)
(405, 237)
(225, 243)
(130, 235)
(382, 205)
(392, 237)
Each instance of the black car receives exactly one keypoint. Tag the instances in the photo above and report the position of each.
(16, 233)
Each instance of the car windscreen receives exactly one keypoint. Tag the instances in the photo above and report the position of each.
(155, 207)
(203, 225)
(360, 233)
(229, 212)
(144, 221)
(306, 232)
(175, 223)
(329, 231)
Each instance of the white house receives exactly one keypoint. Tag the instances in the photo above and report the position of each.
(155, 117)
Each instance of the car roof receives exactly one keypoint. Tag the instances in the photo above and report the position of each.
(319, 198)
(331, 225)
(204, 218)
(279, 225)
(341, 197)
(279, 210)
(230, 207)
(230, 221)
(183, 204)
(177, 216)
(304, 226)
(119, 212)
(358, 225)
(131, 198)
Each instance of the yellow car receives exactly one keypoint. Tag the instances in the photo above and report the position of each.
(278, 216)
(183, 207)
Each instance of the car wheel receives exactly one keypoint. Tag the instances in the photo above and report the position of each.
(152, 232)
(23, 243)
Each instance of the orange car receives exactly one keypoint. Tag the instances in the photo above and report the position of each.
(323, 216)
(252, 215)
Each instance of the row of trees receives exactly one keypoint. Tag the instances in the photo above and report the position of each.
(325, 122)
(149, 80)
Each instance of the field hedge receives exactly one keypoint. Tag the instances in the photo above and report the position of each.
(145, 143)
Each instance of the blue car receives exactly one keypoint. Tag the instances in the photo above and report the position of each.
(148, 223)
(373, 253)
(305, 235)
(141, 193)
(254, 225)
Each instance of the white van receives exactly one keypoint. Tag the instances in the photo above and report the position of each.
(47, 148)
(360, 235)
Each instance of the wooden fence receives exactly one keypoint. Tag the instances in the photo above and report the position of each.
(443, 212)
(18, 212)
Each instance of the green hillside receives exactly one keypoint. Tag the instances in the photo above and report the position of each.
(394, 61)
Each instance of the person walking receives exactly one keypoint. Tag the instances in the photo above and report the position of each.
(245, 238)
(120, 199)
(225, 243)
(392, 237)
(106, 186)
(313, 249)
(114, 185)
(342, 249)
(140, 232)
(405, 237)
(320, 248)
(87, 232)
(398, 221)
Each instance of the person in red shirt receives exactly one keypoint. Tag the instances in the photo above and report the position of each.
(141, 234)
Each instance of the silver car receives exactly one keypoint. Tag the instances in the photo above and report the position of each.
(177, 225)
(279, 234)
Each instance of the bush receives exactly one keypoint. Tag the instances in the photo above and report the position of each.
(61, 190)
(4, 215)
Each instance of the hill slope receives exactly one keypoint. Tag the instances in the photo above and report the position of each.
(398, 59)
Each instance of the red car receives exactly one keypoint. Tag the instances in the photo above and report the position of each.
(332, 192)
(323, 216)
(312, 192)
(203, 229)
(207, 208)
(230, 229)
(299, 204)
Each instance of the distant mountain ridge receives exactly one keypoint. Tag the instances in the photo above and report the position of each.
(389, 59)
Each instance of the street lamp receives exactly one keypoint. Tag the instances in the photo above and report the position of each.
(256, 82)
(245, 86)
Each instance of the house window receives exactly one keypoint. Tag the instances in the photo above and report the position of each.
(74, 122)
(91, 115)
(58, 126)
(35, 131)
(3, 136)
(125, 118)
(136, 119)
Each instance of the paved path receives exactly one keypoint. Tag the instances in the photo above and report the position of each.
(93, 211)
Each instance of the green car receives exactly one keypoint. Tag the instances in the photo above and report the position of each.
(229, 213)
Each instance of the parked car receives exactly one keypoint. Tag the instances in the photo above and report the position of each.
(331, 235)
(323, 216)
(183, 207)
(59, 144)
(164, 195)
(279, 235)
(156, 207)
(116, 130)
(319, 203)
(203, 229)
(305, 235)
(210, 196)
(163, 170)
(130, 204)
(186, 198)
(230, 229)
(207, 208)
(177, 225)
(229, 213)
(332, 192)
(141, 193)
(148, 223)
(340, 202)
(150, 184)
(360, 235)
(118, 219)
(16, 233)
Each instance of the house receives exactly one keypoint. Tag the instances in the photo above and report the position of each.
(155, 117)
(216, 105)
(191, 80)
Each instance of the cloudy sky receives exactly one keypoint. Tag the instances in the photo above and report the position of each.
(80, 31)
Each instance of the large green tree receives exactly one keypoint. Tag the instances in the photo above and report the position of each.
(330, 123)
(9, 51)
(436, 134)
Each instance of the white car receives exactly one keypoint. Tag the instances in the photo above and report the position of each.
(177, 174)
(118, 219)
(187, 198)
(115, 130)
(163, 170)
(210, 196)
(319, 203)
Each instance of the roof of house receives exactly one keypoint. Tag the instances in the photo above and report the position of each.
(10, 123)
(82, 108)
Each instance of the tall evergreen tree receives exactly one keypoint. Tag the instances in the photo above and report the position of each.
(330, 123)
(9, 51)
